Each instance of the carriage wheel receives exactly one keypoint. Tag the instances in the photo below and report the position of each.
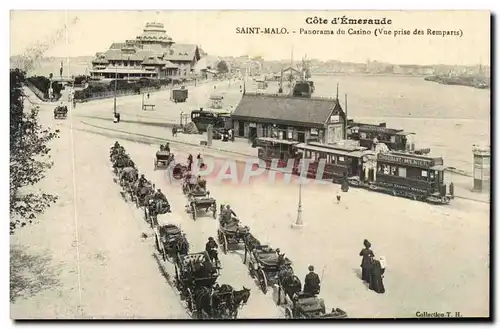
(157, 245)
(193, 211)
(176, 277)
(224, 243)
(288, 313)
(261, 276)
(164, 254)
(214, 211)
(190, 301)
(251, 270)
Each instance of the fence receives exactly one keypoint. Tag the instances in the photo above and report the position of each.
(111, 94)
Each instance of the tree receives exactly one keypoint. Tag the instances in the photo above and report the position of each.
(29, 157)
(222, 67)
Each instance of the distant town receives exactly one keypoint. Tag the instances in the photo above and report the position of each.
(257, 65)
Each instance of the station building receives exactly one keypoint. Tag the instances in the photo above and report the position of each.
(290, 118)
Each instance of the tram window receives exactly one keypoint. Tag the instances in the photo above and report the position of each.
(424, 173)
(402, 172)
(341, 159)
(432, 175)
(363, 135)
(393, 139)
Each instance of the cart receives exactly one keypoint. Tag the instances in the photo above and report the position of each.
(162, 159)
(232, 234)
(265, 265)
(312, 307)
(193, 271)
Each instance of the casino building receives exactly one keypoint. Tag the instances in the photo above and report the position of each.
(153, 54)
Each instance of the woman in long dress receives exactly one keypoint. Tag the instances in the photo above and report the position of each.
(367, 255)
(376, 275)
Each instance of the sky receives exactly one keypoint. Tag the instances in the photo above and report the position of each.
(215, 32)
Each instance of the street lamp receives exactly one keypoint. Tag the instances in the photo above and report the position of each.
(299, 223)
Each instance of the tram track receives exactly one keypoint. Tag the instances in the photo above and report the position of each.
(151, 140)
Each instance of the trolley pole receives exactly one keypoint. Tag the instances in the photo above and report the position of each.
(299, 223)
(114, 101)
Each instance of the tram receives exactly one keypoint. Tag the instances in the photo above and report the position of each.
(403, 174)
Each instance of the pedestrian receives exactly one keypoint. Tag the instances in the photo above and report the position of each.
(377, 271)
(367, 255)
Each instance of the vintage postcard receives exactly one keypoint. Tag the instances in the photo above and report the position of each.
(250, 164)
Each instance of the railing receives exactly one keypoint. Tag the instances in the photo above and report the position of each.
(111, 94)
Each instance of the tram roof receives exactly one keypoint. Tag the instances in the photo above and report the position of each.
(346, 152)
(276, 140)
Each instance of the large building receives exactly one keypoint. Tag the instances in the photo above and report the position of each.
(289, 118)
(153, 54)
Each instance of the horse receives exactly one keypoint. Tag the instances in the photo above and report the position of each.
(289, 282)
(220, 302)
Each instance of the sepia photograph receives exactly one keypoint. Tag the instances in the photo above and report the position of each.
(231, 164)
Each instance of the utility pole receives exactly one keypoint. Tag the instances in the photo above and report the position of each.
(114, 102)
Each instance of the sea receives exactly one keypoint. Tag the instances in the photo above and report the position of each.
(447, 119)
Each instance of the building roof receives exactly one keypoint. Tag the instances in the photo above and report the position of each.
(286, 109)
(181, 52)
(123, 70)
(155, 36)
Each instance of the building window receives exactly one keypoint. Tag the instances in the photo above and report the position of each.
(393, 170)
(401, 172)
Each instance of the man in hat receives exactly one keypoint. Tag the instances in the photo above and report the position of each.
(311, 283)
(211, 248)
(227, 215)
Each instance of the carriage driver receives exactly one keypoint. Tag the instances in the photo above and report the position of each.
(142, 181)
(227, 215)
(167, 147)
(159, 196)
(311, 283)
(211, 249)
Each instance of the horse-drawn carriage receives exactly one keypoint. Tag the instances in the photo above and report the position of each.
(170, 241)
(230, 234)
(143, 194)
(193, 271)
(163, 159)
(311, 307)
(269, 267)
(199, 198)
(154, 208)
(61, 112)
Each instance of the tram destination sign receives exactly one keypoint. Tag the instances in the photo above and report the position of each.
(412, 162)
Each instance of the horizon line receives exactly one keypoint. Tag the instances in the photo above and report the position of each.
(287, 59)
